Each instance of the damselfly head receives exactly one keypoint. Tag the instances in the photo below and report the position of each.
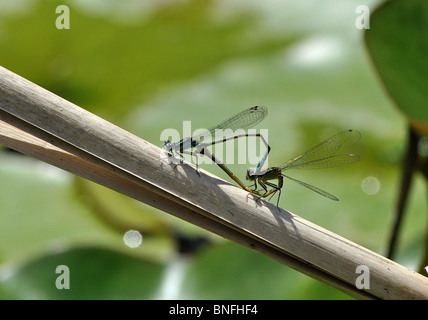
(255, 108)
(250, 174)
(255, 172)
(167, 147)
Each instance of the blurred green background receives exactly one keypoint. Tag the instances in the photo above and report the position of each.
(149, 65)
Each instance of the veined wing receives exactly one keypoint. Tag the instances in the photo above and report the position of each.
(332, 152)
(243, 120)
(313, 188)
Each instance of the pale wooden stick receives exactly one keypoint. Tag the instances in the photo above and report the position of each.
(39, 123)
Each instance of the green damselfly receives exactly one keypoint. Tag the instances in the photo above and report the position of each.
(332, 152)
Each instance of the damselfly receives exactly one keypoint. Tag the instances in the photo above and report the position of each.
(332, 152)
(243, 120)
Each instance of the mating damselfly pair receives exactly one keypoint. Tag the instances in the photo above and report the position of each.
(332, 152)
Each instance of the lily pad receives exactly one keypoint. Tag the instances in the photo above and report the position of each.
(398, 44)
(81, 273)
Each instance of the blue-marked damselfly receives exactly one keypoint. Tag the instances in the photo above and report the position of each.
(197, 144)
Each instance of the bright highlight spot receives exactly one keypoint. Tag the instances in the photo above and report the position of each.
(132, 238)
(370, 185)
(315, 51)
(172, 282)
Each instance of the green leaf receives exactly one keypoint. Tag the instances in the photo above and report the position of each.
(398, 43)
(94, 273)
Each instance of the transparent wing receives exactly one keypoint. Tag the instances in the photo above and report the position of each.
(243, 120)
(313, 188)
(329, 153)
